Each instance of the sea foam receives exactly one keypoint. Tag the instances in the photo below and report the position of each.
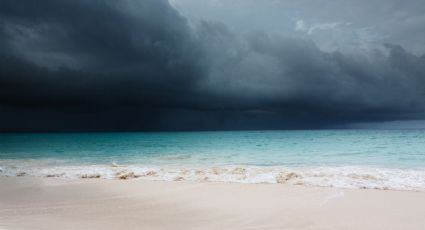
(341, 177)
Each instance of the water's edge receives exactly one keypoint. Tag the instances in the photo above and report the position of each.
(356, 177)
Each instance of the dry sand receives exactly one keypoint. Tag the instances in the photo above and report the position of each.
(36, 203)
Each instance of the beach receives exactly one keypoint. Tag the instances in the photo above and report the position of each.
(327, 179)
(58, 203)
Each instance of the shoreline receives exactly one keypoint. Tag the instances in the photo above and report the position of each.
(353, 177)
(47, 203)
(129, 177)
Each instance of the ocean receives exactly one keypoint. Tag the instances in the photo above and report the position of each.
(377, 159)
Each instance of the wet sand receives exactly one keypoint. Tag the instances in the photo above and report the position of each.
(52, 203)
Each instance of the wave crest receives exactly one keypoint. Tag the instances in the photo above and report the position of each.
(341, 177)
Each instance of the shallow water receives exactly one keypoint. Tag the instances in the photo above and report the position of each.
(386, 159)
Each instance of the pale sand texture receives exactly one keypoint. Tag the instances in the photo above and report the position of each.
(35, 203)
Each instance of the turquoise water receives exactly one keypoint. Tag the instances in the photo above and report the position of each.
(394, 148)
(346, 151)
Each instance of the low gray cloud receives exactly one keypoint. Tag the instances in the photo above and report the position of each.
(141, 65)
(276, 70)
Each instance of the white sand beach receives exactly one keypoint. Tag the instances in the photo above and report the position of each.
(52, 203)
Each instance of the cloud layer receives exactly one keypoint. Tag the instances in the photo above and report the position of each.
(132, 65)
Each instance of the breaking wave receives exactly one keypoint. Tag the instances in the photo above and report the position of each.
(340, 177)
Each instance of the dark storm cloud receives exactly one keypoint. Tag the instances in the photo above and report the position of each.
(77, 50)
(293, 75)
(139, 65)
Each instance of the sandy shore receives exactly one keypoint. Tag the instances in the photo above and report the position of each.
(36, 203)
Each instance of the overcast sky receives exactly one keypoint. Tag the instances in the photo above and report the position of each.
(130, 65)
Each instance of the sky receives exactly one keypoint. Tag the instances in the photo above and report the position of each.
(158, 65)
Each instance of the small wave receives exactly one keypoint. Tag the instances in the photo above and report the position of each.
(341, 177)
